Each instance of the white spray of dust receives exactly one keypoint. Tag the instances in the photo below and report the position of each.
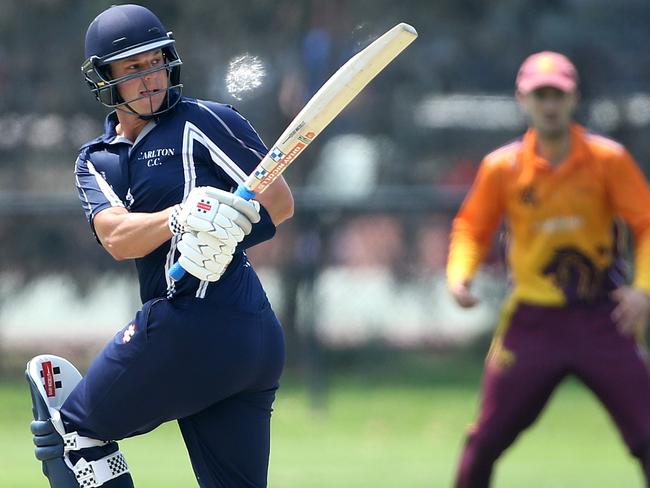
(245, 73)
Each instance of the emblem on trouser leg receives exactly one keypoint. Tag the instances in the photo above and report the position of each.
(51, 379)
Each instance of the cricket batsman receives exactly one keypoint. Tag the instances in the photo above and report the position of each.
(561, 190)
(207, 350)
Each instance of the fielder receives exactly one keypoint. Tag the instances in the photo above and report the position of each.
(208, 350)
(570, 311)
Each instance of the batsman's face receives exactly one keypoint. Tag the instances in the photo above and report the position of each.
(550, 110)
(147, 91)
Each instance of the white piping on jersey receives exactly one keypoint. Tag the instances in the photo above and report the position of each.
(169, 261)
(211, 112)
(189, 175)
(193, 134)
(203, 287)
(218, 156)
(83, 192)
(105, 188)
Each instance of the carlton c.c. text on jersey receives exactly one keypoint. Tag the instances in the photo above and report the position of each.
(198, 143)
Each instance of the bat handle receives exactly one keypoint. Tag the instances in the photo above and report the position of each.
(244, 192)
(176, 272)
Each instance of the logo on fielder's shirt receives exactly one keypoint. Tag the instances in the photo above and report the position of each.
(276, 154)
(528, 196)
(128, 333)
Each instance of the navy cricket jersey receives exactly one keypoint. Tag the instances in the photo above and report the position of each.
(197, 143)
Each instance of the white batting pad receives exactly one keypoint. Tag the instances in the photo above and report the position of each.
(55, 378)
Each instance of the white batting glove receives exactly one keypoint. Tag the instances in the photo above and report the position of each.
(221, 214)
(201, 260)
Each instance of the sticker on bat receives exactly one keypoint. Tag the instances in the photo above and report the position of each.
(297, 129)
(260, 173)
(279, 168)
(293, 153)
(276, 155)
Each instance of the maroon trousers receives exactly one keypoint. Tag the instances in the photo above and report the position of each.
(539, 348)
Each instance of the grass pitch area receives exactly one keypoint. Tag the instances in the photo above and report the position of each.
(372, 434)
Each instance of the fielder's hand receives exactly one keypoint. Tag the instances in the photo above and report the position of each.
(462, 294)
(202, 260)
(632, 309)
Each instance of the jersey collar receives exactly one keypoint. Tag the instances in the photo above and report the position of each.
(112, 137)
(578, 151)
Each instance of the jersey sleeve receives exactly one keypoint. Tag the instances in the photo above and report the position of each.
(475, 223)
(245, 148)
(630, 197)
(94, 191)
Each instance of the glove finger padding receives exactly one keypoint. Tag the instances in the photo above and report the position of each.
(250, 208)
(225, 246)
(201, 260)
(199, 251)
(220, 224)
(188, 247)
(209, 209)
(199, 272)
(197, 224)
(239, 216)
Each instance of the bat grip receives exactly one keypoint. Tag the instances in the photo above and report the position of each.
(244, 192)
(176, 272)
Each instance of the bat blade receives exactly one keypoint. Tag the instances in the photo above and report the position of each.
(327, 103)
(337, 92)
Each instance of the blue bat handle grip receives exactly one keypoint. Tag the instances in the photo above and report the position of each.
(176, 272)
(244, 192)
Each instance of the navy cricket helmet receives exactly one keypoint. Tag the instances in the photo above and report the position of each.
(120, 32)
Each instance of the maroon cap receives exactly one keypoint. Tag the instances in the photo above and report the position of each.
(547, 69)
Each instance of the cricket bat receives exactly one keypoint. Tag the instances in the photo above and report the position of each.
(320, 110)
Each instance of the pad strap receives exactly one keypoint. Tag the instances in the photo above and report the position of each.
(92, 474)
(73, 442)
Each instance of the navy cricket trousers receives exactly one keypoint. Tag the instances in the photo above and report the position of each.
(215, 370)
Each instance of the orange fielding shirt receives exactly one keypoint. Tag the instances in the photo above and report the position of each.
(562, 245)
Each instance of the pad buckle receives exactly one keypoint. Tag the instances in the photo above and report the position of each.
(94, 474)
(73, 442)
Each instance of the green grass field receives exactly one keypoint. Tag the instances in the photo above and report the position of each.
(371, 434)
